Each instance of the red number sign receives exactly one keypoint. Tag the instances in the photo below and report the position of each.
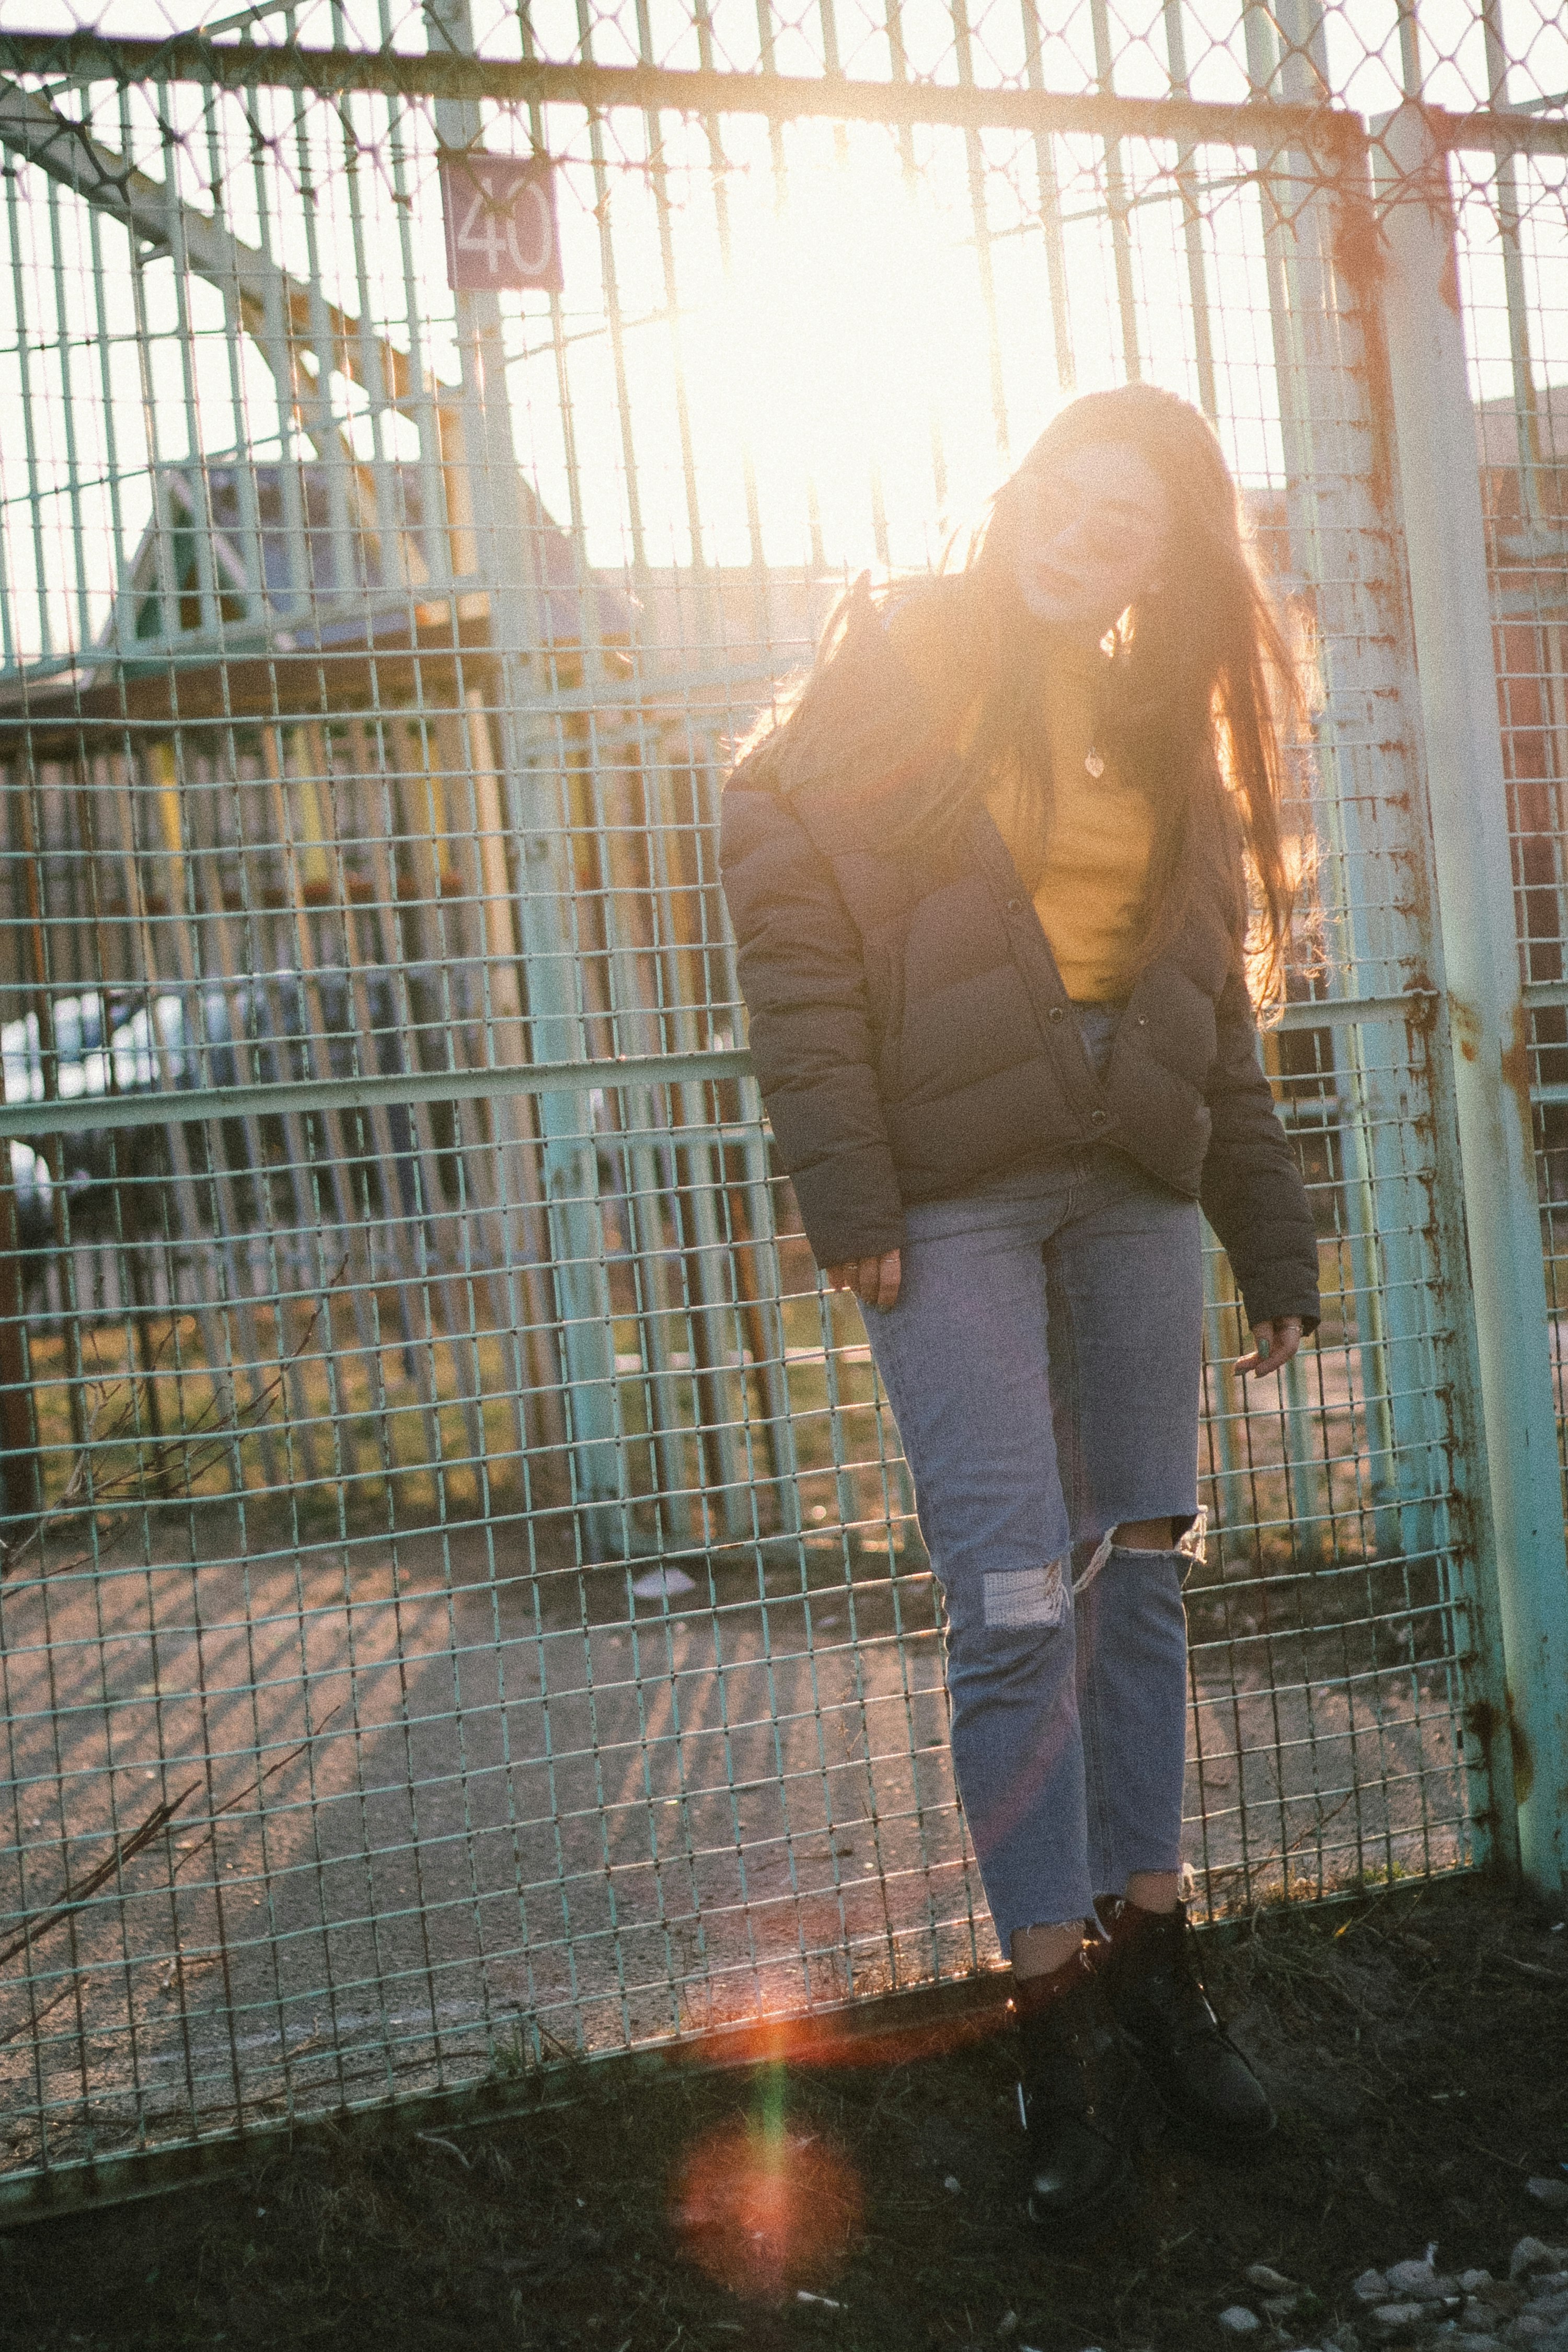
(500, 222)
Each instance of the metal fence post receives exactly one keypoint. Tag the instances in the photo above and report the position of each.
(1339, 543)
(1435, 430)
(505, 532)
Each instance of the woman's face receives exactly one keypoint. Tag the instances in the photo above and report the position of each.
(1090, 536)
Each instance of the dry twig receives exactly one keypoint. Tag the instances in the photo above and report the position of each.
(71, 1897)
(146, 1476)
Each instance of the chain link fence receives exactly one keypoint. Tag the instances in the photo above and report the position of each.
(463, 1606)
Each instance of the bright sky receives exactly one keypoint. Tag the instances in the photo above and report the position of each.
(821, 354)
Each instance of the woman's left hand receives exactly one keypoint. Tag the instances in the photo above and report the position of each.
(1274, 1344)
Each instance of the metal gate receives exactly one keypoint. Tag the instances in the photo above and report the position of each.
(463, 1605)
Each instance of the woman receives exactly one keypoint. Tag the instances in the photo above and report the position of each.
(989, 879)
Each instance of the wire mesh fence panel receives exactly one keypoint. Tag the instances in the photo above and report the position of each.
(1514, 287)
(464, 1604)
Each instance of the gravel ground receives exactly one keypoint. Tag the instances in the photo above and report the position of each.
(1416, 2045)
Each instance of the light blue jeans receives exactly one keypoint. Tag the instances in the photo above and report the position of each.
(1043, 1365)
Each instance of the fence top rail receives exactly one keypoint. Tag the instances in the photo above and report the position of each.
(1265, 124)
(87, 56)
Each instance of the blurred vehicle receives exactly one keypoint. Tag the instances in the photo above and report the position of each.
(270, 1028)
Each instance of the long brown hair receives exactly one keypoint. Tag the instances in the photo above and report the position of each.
(1191, 700)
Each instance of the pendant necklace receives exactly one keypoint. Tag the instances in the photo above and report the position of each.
(1094, 765)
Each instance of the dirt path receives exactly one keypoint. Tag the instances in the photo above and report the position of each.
(429, 1824)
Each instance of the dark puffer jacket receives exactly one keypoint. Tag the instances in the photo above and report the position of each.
(910, 1029)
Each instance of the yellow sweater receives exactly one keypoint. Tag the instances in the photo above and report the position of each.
(1087, 874)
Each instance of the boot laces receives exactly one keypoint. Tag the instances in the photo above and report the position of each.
(1189, 2009)
(1171, 1980)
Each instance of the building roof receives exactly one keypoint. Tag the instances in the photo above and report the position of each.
(268, 590)
(316, 555)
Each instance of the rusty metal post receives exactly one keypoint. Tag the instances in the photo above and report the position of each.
(1435, 430)
(1340, 541)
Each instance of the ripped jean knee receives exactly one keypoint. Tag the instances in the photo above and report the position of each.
(1013, 1599)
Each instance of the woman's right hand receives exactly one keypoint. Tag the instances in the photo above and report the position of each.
(874, 1280)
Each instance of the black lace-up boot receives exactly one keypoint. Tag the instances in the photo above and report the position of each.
(1082, 2095)
(1155, 1991)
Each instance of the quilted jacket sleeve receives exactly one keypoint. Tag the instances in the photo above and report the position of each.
(803, 981)
(1252, 1191)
